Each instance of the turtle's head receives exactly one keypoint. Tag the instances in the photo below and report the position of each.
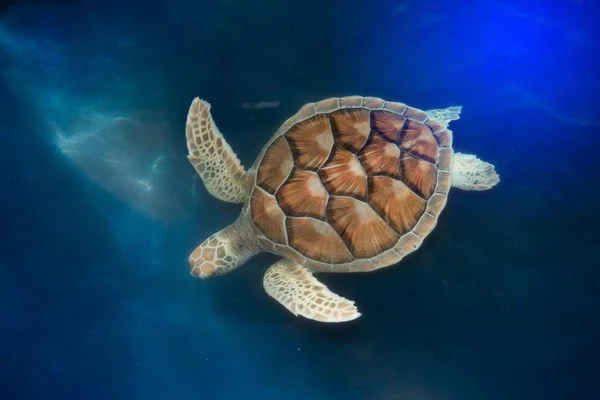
(202, 263)
(211, 258)
(222, 252)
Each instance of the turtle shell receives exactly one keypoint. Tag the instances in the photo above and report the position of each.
(351, 184)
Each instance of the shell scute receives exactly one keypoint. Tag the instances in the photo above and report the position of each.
(386, 258)
(351, 128)
(268, 216)
(436, 204)
(311, 141)
(380, 157)
(317, 240)
(419, 175)
(418, 140)
(303, 195)
(416, 115)
(434, 125)
(444, 181)
(351, 101)
(306, 111)
(444, 159)
(387, 124)
(444, 138)
(361, 228)
(276, 166)
(407, 244)
(343, 175)
(398, 108)
(425, 225)
(399, 206)
(373, 103)
(328, 105)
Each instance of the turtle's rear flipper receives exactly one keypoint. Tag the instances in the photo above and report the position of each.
(470, 173)
(299, 291)
(445, 115)
(212, 157)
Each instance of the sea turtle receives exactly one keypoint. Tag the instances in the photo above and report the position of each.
(349, 184)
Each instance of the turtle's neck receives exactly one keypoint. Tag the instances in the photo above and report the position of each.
(244, 240)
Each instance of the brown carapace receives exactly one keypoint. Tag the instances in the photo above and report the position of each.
(346, 179)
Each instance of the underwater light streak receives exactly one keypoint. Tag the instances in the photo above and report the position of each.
(560, 27)
(528, 99)
(118, 155)
(129, 154)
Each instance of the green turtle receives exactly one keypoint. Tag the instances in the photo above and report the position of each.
(349, 184)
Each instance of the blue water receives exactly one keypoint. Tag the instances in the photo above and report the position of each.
(100, 208)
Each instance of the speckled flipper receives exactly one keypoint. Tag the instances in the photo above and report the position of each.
(212, 157)
(471, 173)
(300, 292)
(445, 115)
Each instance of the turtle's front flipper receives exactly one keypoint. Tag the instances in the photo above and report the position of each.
(299, 291)
(470, 173)
(445, 115)
(212, 157)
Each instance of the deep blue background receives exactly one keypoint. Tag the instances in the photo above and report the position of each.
(502, 302)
